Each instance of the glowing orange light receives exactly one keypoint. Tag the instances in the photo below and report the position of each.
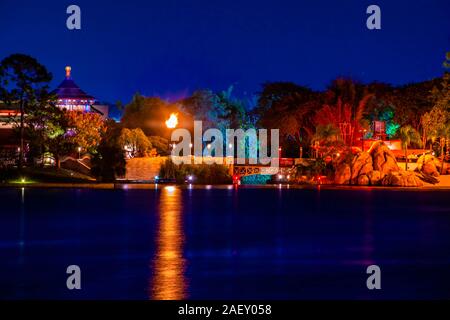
(169, 281)
(172, 122)
(68, 69)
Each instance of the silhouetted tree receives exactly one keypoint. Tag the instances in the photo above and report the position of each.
(109, 162)
(22, 81)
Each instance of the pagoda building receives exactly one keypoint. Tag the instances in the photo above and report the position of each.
(72, 98)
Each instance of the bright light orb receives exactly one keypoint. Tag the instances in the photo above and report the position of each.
(170, 189)
(172, 122)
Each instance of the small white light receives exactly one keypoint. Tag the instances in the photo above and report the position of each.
(280, 176)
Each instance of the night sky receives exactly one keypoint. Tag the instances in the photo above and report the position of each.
(170, 48)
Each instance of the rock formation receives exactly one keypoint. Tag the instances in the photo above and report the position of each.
(402, 178)
(378, 166)
(383, 159)
(429, 165)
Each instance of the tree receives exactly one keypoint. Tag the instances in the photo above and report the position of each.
(434, 122)
(274, 93)
(327, 134)
(150, 114)
(382, 108)
(290, 108)
(46, 126)
(345, 105)
(160, 144)
(109, 162)
(134, 141)
(217, 110)
(206, 106)
(408, 135)
(411, 102)
(444, 135)
(86, 129)
(57, 135)
(22, 80)
(234, 110)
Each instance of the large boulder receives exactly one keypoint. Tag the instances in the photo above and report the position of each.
(343, 174)
(383, 159)
(361, 165)
(363, 180)
(374, 177)
(402, 179)
(429, 165)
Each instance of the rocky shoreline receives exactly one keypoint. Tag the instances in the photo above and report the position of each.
(378, 167)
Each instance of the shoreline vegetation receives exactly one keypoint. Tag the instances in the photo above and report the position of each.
(322, 135)
(343, 172)
(204, 176)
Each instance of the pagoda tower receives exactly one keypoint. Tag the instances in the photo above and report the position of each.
(71, 97)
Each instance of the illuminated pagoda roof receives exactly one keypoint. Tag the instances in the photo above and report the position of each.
(71, 97)
(68, 89)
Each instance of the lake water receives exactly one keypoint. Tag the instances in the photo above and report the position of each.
(224, 243)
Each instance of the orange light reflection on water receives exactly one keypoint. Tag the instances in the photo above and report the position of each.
(169, 282)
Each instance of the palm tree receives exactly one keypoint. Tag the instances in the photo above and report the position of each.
(408, 135)
(345, 104)
(327, 134)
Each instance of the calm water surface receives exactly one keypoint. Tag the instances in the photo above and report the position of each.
(248, 243)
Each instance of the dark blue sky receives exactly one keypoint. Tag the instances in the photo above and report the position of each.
(171, 48)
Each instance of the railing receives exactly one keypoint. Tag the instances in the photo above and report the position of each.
(283, 162)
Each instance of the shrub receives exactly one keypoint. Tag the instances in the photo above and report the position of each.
(203, 173)
(160, 144)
